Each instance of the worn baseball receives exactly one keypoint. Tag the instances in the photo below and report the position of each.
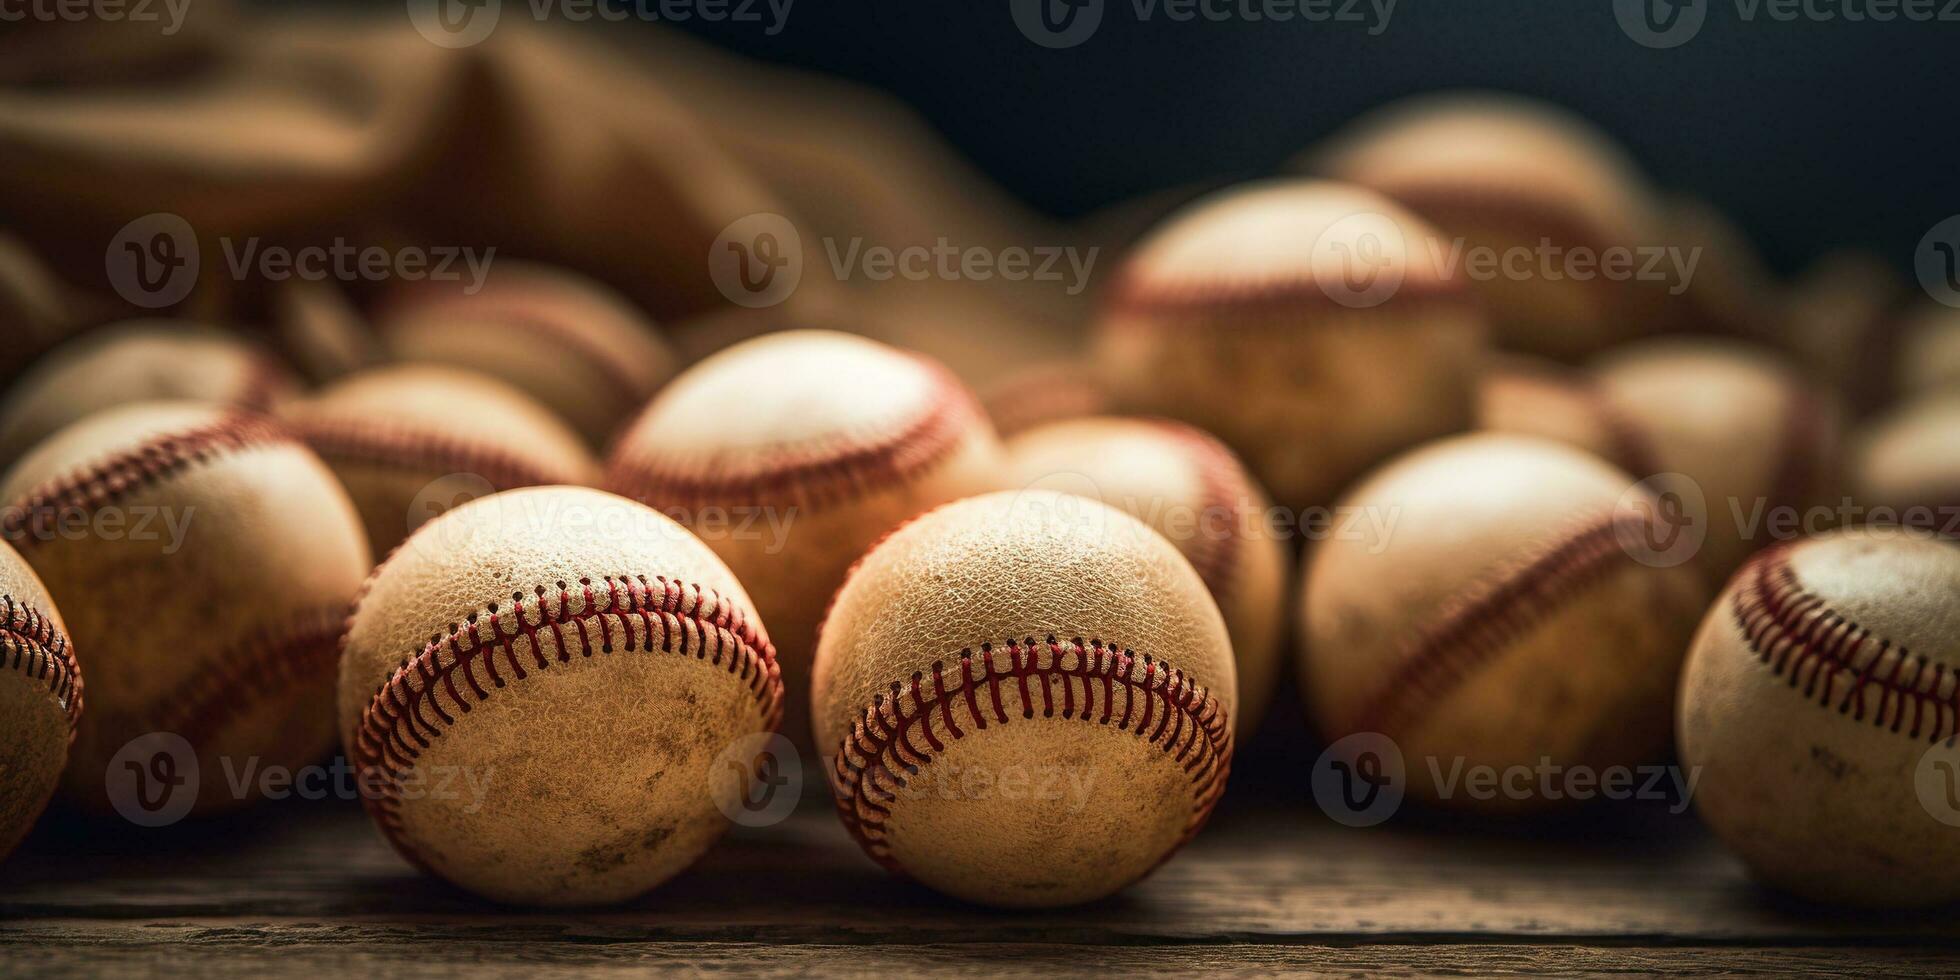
(204, 560)
(1841, 317)
(1515, 611)
(1188, 487)
(1732, 291)
(1908, 462)
(1744, 446)
(1025, 699)
(40, 698)
(1505, 176)
(410, 441)
(582, 350)
(1307, 324)
(573, 667)
(142, 360)
(1818, 710)
(793, 453)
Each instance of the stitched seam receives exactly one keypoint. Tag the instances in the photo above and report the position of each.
(394, 444)
(1443, 654)
(903, 731)
(31, 644)
(846, 469)
(424, 697)
(302, 648)
(108, 480)
(1798, 636)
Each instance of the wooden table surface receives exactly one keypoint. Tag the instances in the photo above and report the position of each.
(296, 888)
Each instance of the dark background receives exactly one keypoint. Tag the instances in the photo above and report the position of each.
(1810, 134)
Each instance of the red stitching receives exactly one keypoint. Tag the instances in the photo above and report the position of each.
(885, 744)
(301, 648)
(115, 477)
(422, 698)
(31, 644)
(1473, 632)
(1796, 633)
(390, 443)
(842, 470)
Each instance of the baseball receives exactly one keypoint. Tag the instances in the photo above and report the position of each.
(1748, 443)
(793, 453)
(1307, 324)
(1188, 487)
(1028, 697)
(582, 350)
(40, 698)
(409, 441)
(141, 360)
(1509, 177)
(1818, 706)
(204, 561)
(571, 664)
(1908, 462)
(1511, 614)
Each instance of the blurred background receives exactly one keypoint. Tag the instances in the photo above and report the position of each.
(1811, 133)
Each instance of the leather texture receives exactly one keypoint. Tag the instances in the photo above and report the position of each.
(1814, 767)
(1189, 488)
(1910, 458)
(35, 725)
(142, 360)
(759, 434)
(390, 434)
(1004, 567)
(597, 771)
(1474, 632)
(1505, 172)
(1740, 423)
(191, 631)
(1228, 318)
(581, 350)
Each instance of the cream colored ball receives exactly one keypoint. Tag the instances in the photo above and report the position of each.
(1190, 488)
(1310, 325)
(1508, 613)
(1026, 699)
(1818, 711)
(572, 666)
